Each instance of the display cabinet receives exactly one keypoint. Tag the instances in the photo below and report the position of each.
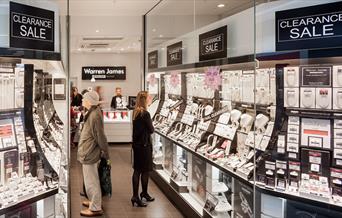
(259, 122)
(33, 140)
(34, 130)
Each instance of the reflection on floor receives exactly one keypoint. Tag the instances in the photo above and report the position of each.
(119, 205)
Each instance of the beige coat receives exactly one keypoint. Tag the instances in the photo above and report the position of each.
(92, 139)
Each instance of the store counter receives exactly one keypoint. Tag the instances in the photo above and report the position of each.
(117, 125)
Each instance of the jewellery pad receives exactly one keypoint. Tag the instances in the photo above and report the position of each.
(224, 118)
(291, 97)
(307, 97)
(235, 116)
(337, 75)
(323, 98)
(337, 97)
(260, 122)
(246, 122)
(291, 77)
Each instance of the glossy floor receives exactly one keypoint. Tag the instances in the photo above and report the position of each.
(119, 205)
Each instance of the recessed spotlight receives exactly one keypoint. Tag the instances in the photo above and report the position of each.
(163, 49)
(122, 49)
(79, 49)
(161, 36)
(153, 30)
(97, 31)
(220, 5)
(109, 49)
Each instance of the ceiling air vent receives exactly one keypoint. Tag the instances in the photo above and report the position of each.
(102, 38)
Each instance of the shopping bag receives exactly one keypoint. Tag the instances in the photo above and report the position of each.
(105, 180)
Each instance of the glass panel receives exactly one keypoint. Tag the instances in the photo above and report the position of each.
(299, 173)
(33, 117)
(204, 80)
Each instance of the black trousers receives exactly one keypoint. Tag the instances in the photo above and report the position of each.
(137, 175)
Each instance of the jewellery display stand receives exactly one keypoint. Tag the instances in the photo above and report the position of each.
(258, 104)
(32, 140)
(217, 130)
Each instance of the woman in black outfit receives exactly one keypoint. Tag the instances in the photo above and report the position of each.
(76, 98)
(142, 149)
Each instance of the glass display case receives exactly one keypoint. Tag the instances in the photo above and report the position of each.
(34, 151)
(118, 125)
(255, 109)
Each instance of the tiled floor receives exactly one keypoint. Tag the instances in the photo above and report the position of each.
(119, 205)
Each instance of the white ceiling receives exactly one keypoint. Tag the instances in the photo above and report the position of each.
(123, 18)
(110, 7)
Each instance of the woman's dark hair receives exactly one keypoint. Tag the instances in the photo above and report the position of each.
(84, 91)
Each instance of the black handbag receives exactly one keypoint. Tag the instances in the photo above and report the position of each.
(105, 179)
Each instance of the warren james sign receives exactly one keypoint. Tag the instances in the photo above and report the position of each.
(104, 73)
(31, 27)
(213, 44)
(174, 54)
(317, 26)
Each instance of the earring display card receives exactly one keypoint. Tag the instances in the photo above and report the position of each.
(281, 144)
(337, 98)
(337, 76)
(294, 175)
(323, 98)
(291, 77)
(307, 97)
(248, 87)
(316, 133)
(291, 97)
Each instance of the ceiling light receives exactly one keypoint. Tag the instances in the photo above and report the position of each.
(220, 5)
(97, 31)
(122, 49)
(109, 49)
(160, 35)
(79, 49)
(153, 30)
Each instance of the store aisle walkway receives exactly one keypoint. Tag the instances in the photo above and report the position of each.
(119, 205)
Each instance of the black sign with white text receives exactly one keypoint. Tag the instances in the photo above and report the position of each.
(316, 76)
(317, 26)
(152, 59)
(213, 44)
(174, 54)
(31, 27)
(104, 73)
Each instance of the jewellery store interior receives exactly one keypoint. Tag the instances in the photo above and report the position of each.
(246, 105)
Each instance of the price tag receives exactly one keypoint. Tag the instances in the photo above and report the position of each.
(315, 167)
